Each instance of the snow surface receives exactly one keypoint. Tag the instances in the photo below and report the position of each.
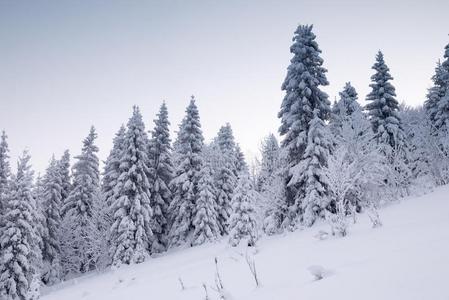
(407, 258)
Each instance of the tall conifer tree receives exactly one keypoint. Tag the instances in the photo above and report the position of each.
(81, 211)
(161, 167)
(304, 106)
(189, 161)
(20, 249)
(131, 234)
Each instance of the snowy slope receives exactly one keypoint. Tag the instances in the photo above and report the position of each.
(407, 258)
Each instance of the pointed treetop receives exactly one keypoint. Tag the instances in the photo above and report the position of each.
(348, 100)
(225, 139)
(349, 91)
(136, 120)
(162, 116)
(191, 125)
(88, 143)
(305, 75)
(4, 162)
(23, 165)
(161, 132)
(383, 72)
(4, 136)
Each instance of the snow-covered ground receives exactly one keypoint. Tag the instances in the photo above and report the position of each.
(407, 258)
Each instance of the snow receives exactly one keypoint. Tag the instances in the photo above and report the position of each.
(407, 258)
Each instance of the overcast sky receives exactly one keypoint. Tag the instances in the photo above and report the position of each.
(67, 65)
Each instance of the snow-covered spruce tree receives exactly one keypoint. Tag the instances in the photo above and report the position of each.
(64, 171)
(303, 111)
(184, 186)
(205, 219)
(131, 234)
(242, 223)
(51, 206)
(225, 139)
(5, 170)
(225, 183)
(442, 115)
(111, 171)
(269, 164)
(348, 99)
(435, 93)
(39, 197)
(20, 250)
(270, 185)
(161, 168)
(310, 171)
(383, 113)
(212, 156)
(226, 178)
(240, 162)
(344, 107)
(437, 109)
(81, 237)
(383, 106)
(5, 173)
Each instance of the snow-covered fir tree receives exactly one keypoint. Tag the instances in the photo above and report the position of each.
(269, 164)
(40, 223)
(383, 107)
(437, 110)
(5, 173)
(64, 171)
(20, 254)
(270, 185)
(383, 112)
(81, 236)
(242, 223)
(131, 234)
(348, 99)
(226, 177)
(5, 170)
(205, 219)
(240, 162)
(225, 139)
(442, 116)
(51, 206)
(184, 186)
(309, 172)
(161, 168)
(225, 184)
(304, 109)
(435, 93)
(39, 196)
(111, 171)
(212, 156)
(344, 107)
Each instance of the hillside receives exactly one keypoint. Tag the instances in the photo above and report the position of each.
(407, 258)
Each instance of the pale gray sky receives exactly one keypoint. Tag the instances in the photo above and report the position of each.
(65, 65)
